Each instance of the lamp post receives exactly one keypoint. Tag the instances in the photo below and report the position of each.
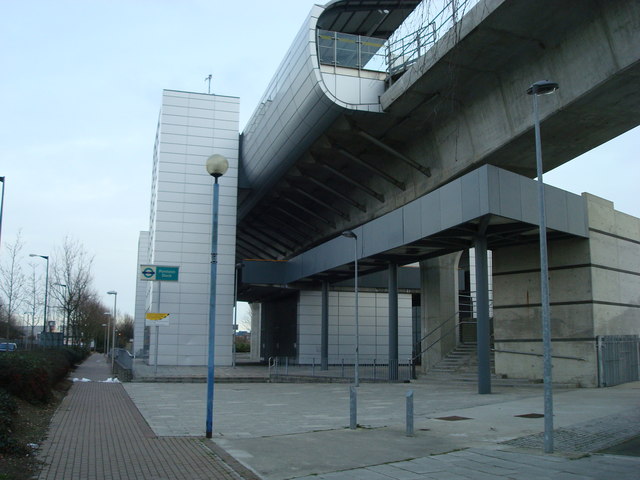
(544, 87)
(46, 288)
(106, 347)
(216, 165)
(104, 337)
(1, 205)
(65, 329)
(113, 328)
(351, 234)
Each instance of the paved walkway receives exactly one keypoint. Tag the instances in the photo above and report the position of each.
(298, 431)
(289, 431)
(98, 433)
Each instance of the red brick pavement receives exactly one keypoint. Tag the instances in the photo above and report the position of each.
(98, 433)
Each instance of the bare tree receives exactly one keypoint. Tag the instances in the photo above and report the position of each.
(33, 300)
(12, 281)
(72, 276)
(125, 330)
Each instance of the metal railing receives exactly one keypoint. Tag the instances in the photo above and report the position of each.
(404, 51)
(369, 370)
(397, 53)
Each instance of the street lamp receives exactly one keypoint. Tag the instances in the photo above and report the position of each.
(46, 288)
(351, 234)
(65, 330)
(1, 205)
(216, 165)
(106, 349)
(544, 87)
(104, 337)
(113, 328)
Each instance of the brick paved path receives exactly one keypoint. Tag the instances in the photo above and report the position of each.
(98, 433)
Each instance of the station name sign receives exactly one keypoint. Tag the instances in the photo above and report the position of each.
(158, 273)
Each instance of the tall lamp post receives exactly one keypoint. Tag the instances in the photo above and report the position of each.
(106, 345)
(216, 165)
(46, 289)
(351, 234)
(544, 87)
(113, 328)
(1, 205)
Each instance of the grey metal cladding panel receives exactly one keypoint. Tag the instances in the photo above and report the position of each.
(509, 195)
(451, 204)
(383, 233)
(556, 207)
(471, 198)
(263, 272)
(412, 221)
(430, 206)
(577, 215)
(529, 201)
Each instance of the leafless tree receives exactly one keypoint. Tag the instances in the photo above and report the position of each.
(12, 282)
(125, 330)
(33, 300)
(72, 279)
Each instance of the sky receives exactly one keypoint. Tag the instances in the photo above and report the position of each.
(80, 92)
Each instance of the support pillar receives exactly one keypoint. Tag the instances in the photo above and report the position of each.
(393, 321)
(439, 311)
(482, 315)
(324, 330)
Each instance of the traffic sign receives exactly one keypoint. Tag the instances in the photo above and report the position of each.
(156, 316)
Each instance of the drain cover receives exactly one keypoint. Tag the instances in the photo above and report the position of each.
(531, 415)
(453, 418)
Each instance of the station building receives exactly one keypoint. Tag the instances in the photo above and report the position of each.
(327, 174)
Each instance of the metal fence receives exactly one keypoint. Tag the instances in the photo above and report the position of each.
(370, 370)
(618, 359)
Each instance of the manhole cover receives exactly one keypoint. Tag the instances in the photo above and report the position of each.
(453, 418)
(531, 415)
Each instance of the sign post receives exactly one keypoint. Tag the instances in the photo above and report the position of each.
(158, 273)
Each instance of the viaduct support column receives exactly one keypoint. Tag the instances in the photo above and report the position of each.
(439, 312)
(393, 321)
(324, 329)
(482, 314)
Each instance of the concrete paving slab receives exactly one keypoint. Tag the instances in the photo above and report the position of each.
(285, 431)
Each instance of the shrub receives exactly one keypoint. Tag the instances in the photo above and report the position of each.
(8, 407)
(31, 375)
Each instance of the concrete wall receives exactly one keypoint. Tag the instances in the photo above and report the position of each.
(193, 126)
(373, 320)
(594, 290)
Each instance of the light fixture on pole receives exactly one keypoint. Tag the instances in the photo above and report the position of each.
(46, 289)
(351, 234)
(216, 165)
(544, 87)
(113, 328)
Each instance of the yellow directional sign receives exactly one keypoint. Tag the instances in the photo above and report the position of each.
(156, 316)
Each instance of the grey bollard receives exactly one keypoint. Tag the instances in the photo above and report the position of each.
(409, 399)
(353, 408)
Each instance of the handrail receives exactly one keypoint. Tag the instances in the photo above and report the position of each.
(564, 357)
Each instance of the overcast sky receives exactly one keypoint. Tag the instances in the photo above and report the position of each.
(80, 91)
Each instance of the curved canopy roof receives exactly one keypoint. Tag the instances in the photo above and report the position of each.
(372, 18)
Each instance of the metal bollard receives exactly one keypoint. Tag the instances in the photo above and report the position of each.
(313, 367)
(286, 365)
(342, 368)
(353, 407)
(409, 401)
